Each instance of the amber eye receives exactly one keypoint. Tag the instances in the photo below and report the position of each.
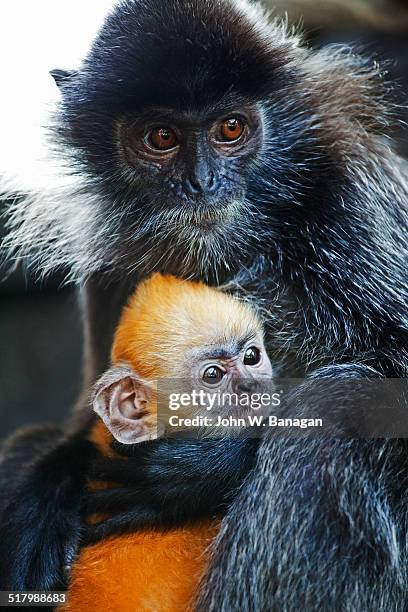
(213, 375)
(162, 138)
(252, 356)
(232, 129)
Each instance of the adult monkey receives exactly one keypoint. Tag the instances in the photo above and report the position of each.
(206, 142)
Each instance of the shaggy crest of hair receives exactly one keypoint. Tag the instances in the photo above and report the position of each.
(353, 100)
(166, 317)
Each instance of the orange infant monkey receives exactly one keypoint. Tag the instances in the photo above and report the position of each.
(170, 490)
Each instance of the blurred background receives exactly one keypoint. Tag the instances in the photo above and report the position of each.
(40, 331)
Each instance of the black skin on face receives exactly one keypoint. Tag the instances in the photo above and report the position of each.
(199, 161)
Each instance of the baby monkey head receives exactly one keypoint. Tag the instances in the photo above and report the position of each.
(189, 335)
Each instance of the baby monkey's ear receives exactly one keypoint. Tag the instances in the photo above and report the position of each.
(123, 400)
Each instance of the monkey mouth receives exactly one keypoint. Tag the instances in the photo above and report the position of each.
(213, 217)
(208, 222)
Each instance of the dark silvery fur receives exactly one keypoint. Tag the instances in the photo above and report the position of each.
(320, 236)
(320, 524)
(42, 476)
(207, 478)
(325, 519)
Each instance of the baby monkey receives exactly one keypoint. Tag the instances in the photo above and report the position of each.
(167, 492)
(191, 335)
(112, 472)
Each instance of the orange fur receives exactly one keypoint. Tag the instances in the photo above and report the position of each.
(166, 317)
(102, 438)
(141, 572)
(157, 570)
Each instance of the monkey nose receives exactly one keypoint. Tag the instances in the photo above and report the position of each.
(246, 385)
(200, 184)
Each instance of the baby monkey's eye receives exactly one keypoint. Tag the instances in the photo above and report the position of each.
(213, 375)
(162, 138)
(252, 356)
(231, 129)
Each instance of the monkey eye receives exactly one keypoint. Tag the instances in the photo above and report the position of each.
(252, 356)
(213, 375)
(231, 129)
(162, 138)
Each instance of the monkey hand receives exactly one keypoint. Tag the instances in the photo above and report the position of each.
(167, 483)
(350, 399)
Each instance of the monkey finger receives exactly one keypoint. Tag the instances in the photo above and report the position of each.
(140, 518)
(112, 500)
(116, 470)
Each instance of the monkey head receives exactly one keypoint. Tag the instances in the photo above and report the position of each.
(164, 118)
(194, 130)
(192, 336)
(195, 137)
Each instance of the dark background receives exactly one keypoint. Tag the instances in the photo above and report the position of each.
(40, 331)
(40, 355)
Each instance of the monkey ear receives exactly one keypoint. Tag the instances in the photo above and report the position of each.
(62, 77)
(123, 401)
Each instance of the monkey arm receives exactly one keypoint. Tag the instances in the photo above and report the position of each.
(42, 477)
(168, 483)
(99, 325)
(333, 507)
(333, 540)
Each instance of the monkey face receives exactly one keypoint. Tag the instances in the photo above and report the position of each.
(191, 165)
(195, 139)
(127, 406)
(232, 369)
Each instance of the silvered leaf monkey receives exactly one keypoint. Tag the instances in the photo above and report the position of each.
(170, 329)
(198, 138)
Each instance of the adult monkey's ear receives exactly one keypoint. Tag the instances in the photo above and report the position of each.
(62, 77)
(123, 400)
